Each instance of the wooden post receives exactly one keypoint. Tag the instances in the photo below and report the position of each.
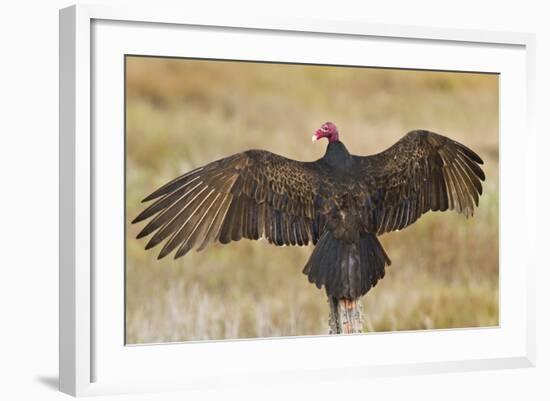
(345, 316)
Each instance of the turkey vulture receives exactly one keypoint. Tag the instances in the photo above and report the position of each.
(340, 203)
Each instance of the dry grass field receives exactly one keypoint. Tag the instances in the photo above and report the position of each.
(181, 114)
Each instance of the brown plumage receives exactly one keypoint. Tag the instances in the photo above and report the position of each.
(340, 202)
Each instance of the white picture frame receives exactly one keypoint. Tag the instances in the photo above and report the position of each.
(93, 357)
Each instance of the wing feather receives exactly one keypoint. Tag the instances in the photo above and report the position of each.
(423, 171)
(251, 195)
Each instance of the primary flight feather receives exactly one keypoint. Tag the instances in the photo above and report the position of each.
(340, 203)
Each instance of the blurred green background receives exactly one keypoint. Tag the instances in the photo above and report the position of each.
(181, 114)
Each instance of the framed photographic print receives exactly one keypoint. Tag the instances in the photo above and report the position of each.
(187, 139)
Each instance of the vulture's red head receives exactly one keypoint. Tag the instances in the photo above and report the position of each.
(328, 130)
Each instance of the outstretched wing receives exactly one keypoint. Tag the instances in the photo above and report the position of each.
(253, 194)
(423, 171)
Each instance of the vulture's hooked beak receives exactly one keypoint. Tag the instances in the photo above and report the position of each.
(318, 135)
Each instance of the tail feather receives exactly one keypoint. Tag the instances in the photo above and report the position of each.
(347, 270)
